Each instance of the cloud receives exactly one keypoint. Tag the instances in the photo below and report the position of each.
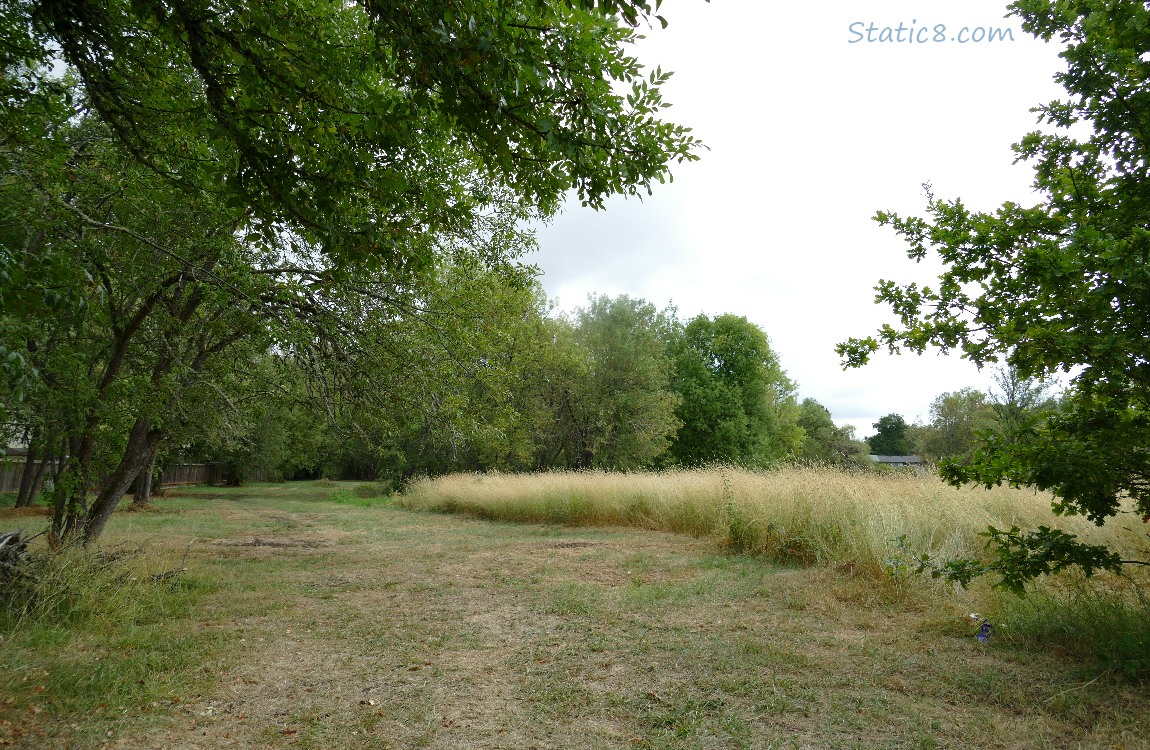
(809, 136)
(623, 249)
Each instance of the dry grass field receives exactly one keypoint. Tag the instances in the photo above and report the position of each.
(305, 617)
(805, 516)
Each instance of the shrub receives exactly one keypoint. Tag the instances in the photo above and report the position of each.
(73, 586)
(370, 489)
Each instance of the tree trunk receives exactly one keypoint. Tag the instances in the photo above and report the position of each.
(71, 494)
(143, 492)
(141, 442)
(28, 475)
(38, 479)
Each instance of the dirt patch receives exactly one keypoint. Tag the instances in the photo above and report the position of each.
(33, 512)
(278, 542)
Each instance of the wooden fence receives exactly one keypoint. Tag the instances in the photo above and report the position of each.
(177, 474)
(190, 474)
(10, 475)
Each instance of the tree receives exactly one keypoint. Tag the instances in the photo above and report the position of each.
(892, 437)
(209, 177)
(479, 378)
(359, 126)
(438, 388)
(1058, 286)
(122, 292)
(1019, 403)
(824, 441)
(738, 404)
(261, 426)
(956, 420)
(598, 393)
(628, 406)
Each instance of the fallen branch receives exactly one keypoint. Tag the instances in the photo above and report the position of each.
(12, 546)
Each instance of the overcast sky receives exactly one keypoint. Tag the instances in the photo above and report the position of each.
(811, 129)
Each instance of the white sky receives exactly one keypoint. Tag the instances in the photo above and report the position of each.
(809, 135)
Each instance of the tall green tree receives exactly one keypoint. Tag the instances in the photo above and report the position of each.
(154, 297)
(602, 387)
(824, 441)
(1056, 286)
(956, 421)
(1020, 404)
(628, 405)
(738, 405)
(891, 438)
(360, 126)
(420, 378)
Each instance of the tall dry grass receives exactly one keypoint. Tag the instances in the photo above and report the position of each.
(792, 515)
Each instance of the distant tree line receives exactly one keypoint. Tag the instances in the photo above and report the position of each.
(614, 385)
(961, 421)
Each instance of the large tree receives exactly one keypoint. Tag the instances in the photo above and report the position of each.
(596, 393)
(361, 126)
(825, 442)
(432, 386)
(1057, 286)
(957, 420)
(738, 405)
(628, 407)
(1020, 404)
(891, 437)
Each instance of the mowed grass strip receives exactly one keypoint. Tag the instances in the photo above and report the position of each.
(323, 624)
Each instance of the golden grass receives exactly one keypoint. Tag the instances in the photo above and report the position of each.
(797, 514)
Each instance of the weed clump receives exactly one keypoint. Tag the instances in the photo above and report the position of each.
(73, 586)
(1097, 620)
(371, 489)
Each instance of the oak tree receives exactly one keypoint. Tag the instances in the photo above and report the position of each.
(1058, 286)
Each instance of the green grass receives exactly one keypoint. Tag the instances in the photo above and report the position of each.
(88, 636)
(304, 622)
(1103, 625)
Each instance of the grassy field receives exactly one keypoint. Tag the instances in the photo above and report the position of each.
(305, 616)
(804, 516)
